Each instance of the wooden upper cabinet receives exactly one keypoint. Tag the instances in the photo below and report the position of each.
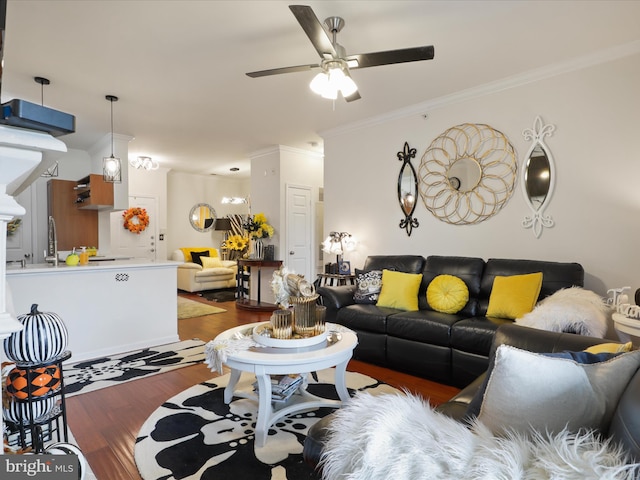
(93, 193)
(74, 227)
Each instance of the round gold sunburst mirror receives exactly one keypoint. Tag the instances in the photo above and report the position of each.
(467, 174)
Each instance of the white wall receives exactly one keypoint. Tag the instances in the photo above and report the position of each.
(184, 190)
(595, 205)
(274, 168)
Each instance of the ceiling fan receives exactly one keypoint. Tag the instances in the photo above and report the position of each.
(336, 64)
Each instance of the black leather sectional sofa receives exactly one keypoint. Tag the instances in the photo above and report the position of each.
(447, 348)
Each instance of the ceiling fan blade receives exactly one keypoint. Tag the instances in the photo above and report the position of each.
(314, 30)
(353, 96)
(277, 71)
(389, 57)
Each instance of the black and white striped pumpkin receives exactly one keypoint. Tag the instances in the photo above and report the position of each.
(18, 411)
(43, 337)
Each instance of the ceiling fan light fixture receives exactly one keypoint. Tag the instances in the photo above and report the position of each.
(333, 79)
(146, 163)
(320, 83)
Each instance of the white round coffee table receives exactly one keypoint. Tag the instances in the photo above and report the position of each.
(266, 361)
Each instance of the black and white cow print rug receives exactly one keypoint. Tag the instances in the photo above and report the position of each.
(195, 435)
(90, 375)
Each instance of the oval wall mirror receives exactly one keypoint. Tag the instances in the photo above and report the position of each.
(538, 177)
(202, 217)
(407, 189)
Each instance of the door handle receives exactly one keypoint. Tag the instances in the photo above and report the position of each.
(292, 252)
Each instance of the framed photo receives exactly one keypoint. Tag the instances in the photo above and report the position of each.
(344, 267)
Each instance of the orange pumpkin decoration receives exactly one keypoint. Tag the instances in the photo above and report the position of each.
(39, 381)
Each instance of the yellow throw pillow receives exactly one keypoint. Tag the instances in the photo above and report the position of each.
(187, 252)
(399, 290)
(211, 262)
(447, 294)
(610, 348)
(511, 297)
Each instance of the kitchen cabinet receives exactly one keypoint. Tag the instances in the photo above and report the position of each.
(74, 227)
(93, 193)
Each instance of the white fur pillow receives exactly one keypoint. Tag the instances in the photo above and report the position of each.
(574, 310)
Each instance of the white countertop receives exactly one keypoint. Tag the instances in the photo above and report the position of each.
(63, 268)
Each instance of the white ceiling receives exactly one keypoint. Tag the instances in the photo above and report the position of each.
(178, 66)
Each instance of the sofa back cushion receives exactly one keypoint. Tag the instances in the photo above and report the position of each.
(469, 269)
(399, 263)
(555, 276)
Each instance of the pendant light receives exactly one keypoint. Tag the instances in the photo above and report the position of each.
(52, 171)
(111, 166)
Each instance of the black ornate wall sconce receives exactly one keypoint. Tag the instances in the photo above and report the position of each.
(407, 189)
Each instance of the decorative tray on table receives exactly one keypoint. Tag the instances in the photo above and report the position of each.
(262, 334)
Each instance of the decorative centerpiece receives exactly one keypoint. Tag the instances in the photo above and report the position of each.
(299, 322)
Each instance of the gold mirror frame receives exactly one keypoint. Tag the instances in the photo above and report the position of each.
(495, 156)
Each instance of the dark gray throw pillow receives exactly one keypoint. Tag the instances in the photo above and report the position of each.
(368, 286)
(195, 256)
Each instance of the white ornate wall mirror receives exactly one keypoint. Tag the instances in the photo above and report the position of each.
(538, 177)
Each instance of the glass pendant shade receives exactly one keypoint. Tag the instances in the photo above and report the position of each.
(111, 166)
(111, 169)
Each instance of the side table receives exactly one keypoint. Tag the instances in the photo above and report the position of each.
(332, 279)
(626, 327)
(249, 284)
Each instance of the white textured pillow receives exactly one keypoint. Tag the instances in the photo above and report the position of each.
(527, 390)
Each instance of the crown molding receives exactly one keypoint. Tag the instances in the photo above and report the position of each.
(531, 76)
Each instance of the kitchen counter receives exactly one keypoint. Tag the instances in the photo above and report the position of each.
(108, 307)
(103, 263)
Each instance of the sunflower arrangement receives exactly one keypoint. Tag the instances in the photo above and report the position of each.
(258, 227)
(237, 243)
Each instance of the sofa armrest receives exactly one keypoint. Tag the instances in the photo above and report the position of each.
(337, 297)
(334, 298)
(457, 406)
(190, 266)
(229, 263)
(525, 338)
(540, 341)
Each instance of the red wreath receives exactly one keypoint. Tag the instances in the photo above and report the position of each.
(141, 223)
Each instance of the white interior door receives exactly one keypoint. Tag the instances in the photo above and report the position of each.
(298, 255)
(142, 245)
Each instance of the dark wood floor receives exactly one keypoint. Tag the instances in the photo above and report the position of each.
(106, 422)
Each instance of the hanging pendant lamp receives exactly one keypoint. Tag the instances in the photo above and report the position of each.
(111, 166)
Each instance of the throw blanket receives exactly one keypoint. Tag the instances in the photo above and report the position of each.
(401, 437)
(573, 310)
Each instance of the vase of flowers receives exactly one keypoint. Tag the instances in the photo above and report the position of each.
(258, 229)
(237, 246)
